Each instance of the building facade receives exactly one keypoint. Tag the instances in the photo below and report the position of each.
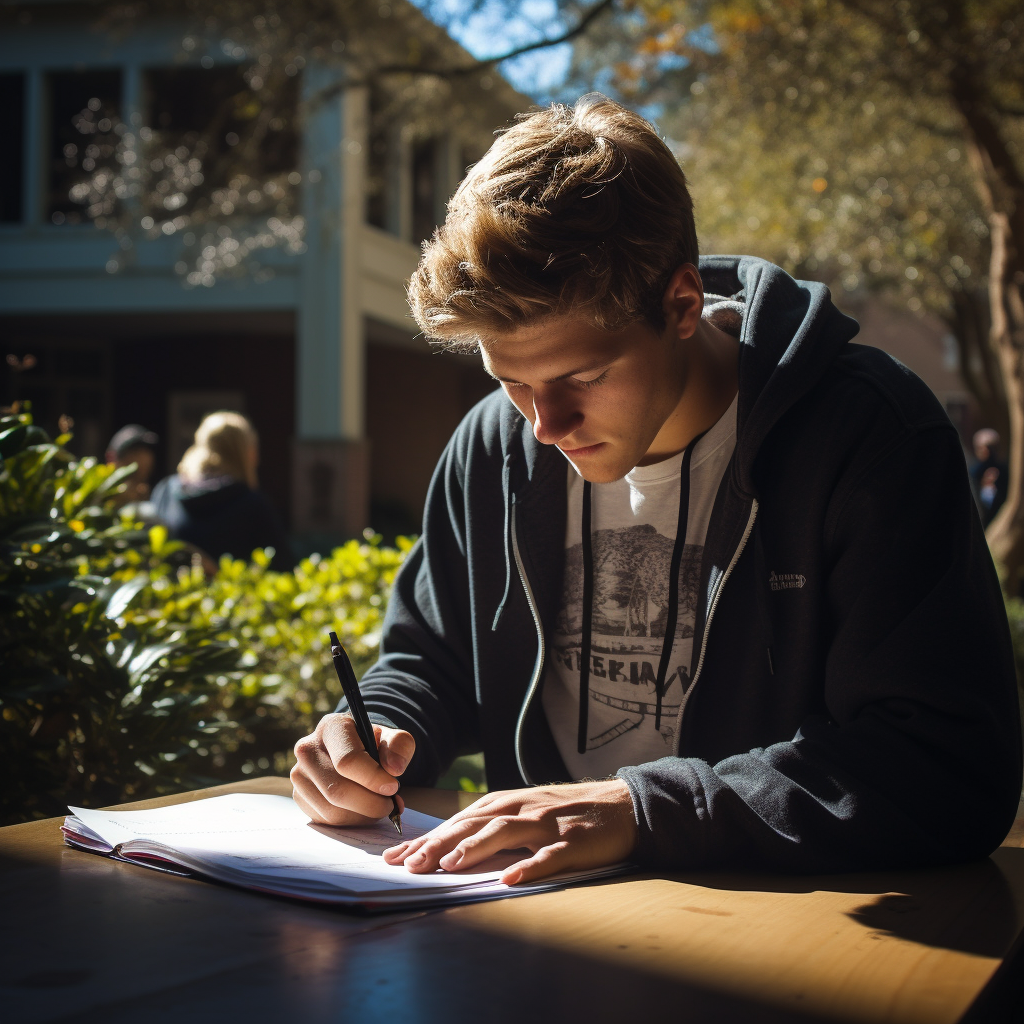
(317, 348)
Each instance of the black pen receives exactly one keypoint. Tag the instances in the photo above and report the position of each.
(364, 728)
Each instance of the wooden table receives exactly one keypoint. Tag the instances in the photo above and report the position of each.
(88, 939)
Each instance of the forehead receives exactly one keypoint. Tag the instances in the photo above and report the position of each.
(555, 346)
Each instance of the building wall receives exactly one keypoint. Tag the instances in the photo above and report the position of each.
(415, 399)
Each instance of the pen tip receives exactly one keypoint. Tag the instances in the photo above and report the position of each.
(396, 821)
(333, 637)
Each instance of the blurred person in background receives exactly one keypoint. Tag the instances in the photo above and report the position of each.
(133, 444)
(989, 474)
(213, 501)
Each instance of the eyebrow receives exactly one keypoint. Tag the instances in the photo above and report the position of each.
(551, 380)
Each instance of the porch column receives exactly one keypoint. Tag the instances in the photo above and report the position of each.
(330, 492)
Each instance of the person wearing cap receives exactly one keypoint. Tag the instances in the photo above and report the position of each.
(133, 444)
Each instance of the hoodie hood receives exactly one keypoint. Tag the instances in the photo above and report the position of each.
(791, 332)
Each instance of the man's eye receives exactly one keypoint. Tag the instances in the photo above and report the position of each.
(593, 382)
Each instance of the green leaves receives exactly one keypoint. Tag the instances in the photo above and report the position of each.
(118, 604)
(124, 672)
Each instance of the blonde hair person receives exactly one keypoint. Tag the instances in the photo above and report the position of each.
(214, 503)
(225, 445)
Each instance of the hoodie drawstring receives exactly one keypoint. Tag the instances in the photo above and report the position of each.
(509, 498)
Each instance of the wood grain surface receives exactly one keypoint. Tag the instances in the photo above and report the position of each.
(85, 938)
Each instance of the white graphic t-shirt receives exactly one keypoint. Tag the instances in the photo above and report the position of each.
(633, 532)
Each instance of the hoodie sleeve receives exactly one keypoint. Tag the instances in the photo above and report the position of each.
(423, 681)
(917, 758)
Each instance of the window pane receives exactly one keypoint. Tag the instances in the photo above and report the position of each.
(12, 110)
(85, 113)
(424, 189)
(219, 120)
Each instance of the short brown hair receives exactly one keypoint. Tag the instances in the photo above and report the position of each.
(579, 210)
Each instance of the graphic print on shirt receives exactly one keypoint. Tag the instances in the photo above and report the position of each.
(630, 613)
(633, 529)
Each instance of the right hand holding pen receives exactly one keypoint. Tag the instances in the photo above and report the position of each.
(336, 782)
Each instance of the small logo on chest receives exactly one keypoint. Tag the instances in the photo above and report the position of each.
(786, 581)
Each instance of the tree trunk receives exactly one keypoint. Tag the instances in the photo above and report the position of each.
(970, 323)
(1001, 188)
(1006, 531)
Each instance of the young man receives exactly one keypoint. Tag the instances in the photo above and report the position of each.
(704, 556)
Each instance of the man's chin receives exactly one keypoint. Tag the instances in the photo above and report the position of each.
(599, 470)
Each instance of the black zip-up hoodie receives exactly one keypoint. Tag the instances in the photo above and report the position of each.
(853, 701)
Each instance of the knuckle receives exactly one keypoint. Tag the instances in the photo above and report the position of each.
(346, 761)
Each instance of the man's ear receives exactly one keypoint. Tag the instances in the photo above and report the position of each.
(683, 301)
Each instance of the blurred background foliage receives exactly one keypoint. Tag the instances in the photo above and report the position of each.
(124, 672)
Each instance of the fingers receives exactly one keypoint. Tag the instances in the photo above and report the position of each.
(395, 747)
(337, 782)
(319, 809)
(461, 845)
(347, 756)
(547, 861)
(501, 833)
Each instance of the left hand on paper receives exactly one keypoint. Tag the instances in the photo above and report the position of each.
(577, 826)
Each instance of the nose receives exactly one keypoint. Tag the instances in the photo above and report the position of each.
(555, 414)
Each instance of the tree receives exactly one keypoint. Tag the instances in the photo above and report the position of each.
(869, 143)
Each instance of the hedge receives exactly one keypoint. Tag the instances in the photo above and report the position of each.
(124, 672)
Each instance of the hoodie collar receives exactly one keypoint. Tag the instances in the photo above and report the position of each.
(791, 332)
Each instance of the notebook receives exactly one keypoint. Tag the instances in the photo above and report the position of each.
(268, 844)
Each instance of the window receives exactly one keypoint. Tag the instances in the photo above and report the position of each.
(12, 109)
(63, 378)
(214, 114)
(85, 115)
(424, 189)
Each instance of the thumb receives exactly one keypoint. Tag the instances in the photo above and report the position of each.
(396, 748)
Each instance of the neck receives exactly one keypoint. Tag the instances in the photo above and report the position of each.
(710, 371)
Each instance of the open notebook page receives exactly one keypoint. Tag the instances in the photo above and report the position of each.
(267, 841)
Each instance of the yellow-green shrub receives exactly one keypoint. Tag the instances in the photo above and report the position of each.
(123, 671)
(279, 622)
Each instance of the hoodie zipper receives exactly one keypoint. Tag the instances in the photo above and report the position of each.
(538, 667)
(707, 623)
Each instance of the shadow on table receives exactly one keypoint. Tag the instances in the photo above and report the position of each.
(916, 905)
(123, 944)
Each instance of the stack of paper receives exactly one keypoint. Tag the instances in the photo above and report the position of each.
(267, 843)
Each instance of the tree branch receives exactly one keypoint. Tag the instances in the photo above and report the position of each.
(468, 69)
(577, 30)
